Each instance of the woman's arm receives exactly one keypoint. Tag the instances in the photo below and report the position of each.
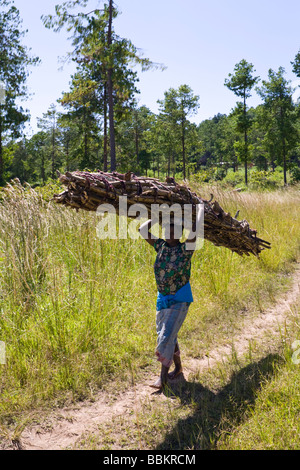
(145, 232)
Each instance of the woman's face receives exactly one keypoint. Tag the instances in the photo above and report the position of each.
(173, 236)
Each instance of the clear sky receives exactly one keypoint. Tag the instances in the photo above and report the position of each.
(199, 41)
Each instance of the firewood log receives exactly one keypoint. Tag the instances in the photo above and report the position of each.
(87, 191)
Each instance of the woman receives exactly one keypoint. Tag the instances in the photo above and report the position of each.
(172, 270)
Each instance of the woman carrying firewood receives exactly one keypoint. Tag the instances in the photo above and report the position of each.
(172, 270)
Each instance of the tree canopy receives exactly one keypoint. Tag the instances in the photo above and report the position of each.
(101, 124)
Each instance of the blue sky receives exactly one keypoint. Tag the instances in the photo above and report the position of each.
(198, 41)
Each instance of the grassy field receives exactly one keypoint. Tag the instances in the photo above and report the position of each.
(77, 312)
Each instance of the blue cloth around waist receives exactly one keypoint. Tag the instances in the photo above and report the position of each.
(184, 294)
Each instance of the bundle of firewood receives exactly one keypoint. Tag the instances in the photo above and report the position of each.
(88, 191)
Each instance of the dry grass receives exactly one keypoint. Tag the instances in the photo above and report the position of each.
(77, 312)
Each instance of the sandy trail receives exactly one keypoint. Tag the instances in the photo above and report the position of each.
(63, 428)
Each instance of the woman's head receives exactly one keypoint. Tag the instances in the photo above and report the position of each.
(173, 231)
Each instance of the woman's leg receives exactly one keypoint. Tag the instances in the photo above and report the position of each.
(163, 378)
(164, 375)
(177, 363)
(168, 323)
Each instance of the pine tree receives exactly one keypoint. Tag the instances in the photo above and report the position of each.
(177, 106)
(241, 83)
(280, 115)
(106, 57)
(14, 62)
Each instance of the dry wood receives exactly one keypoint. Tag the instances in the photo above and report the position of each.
(87, 191)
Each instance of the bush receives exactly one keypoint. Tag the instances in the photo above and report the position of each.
(209, 174)
(263, 179)
(49, 189)
(295, 174)
(234, 178)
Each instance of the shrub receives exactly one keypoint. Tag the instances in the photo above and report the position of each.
(295, 174)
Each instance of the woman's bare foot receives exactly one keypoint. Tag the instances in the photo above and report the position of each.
(177, 371)
(157, 384)
(163, 378)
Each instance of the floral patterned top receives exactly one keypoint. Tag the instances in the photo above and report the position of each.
(172, 267)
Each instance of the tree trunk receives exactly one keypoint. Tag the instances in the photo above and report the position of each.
(110, 97)
(137, 145)
(246, 160)
(53, 152)
(173, 164)
(105, 168)
(272, 161)
(183, 145)
(283, 146)
(246, 142)
(284, 163)
(234, 163)
(1, 152)
(169, 163)
(85, 147)
(43, 169)
(68, 153)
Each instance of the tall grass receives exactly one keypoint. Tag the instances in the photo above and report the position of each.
(77, 311)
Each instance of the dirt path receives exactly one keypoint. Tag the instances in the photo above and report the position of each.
(64, 428)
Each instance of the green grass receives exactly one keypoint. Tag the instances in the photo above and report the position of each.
(273, 424)
(77, 312)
